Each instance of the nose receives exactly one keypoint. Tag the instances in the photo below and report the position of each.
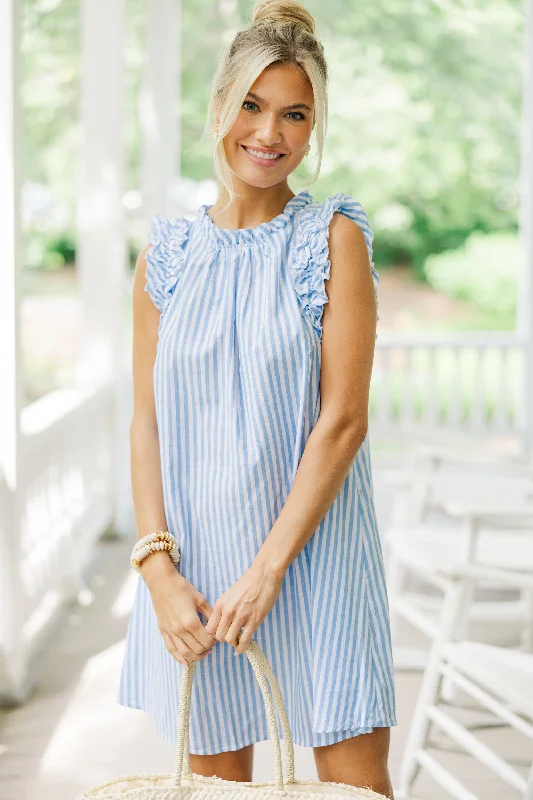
(268, 134)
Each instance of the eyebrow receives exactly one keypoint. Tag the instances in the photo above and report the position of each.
(285, 108)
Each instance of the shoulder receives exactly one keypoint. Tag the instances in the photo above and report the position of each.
(335, 230)
(164, 255)
(166, 234)
(336, 214)
(346, 238)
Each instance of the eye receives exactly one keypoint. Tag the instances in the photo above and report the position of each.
(299, 115)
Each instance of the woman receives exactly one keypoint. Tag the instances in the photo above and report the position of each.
(254, 334)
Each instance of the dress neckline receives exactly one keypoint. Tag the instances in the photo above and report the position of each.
(247, 236)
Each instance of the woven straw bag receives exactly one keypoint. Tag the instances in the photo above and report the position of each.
(184, 784)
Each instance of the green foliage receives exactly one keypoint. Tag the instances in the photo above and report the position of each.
(484, 271)
(50, 63)
(65, 247)
(431, 119)
(49, 251)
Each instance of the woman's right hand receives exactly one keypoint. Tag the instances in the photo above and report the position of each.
(176, 604)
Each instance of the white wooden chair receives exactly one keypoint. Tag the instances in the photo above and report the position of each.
(428, 553)
(432, 475)
(499, 679)
(455, 507)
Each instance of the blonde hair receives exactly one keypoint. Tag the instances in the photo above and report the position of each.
(277, 32)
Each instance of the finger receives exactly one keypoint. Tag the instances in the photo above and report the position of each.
(187, 653)
(233, 632)
(245, 638)
(206, 640)
(214, 622)
(172, 648)
(193, 646)
(179, 650)
(203, 606)
(223, 628)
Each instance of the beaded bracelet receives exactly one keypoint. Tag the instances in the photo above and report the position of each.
(151, 543)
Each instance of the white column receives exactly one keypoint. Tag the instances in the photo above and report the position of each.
(159, 107)
(101, 244)
(525, 288)
(12, 657)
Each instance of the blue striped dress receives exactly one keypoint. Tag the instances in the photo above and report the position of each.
(237, 391)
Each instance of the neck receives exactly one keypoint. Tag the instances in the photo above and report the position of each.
(252, 207)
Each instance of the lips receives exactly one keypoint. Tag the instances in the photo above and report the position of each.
(263, 162)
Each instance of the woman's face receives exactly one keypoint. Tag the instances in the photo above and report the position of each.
(276, 117)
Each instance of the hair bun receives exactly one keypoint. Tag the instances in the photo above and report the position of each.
(288, 12)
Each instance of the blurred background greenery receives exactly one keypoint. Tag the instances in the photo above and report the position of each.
(423, 129)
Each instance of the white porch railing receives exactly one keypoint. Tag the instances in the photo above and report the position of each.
(71, 459)
(472, 382)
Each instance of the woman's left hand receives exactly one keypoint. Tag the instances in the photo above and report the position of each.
(245, 604)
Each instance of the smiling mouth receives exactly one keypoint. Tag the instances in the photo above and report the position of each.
(267, 158)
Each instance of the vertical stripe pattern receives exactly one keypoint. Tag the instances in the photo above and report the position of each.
(237, 390)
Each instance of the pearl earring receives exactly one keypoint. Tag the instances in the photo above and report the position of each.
(216, 129)
(308, 149)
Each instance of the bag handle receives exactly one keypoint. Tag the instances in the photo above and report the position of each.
(262, 671)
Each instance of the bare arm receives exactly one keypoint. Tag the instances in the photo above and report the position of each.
(348, 341)
(175, 600)
(144, 439)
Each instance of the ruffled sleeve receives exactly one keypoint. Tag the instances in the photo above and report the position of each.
(164, 260)
(309, 260)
